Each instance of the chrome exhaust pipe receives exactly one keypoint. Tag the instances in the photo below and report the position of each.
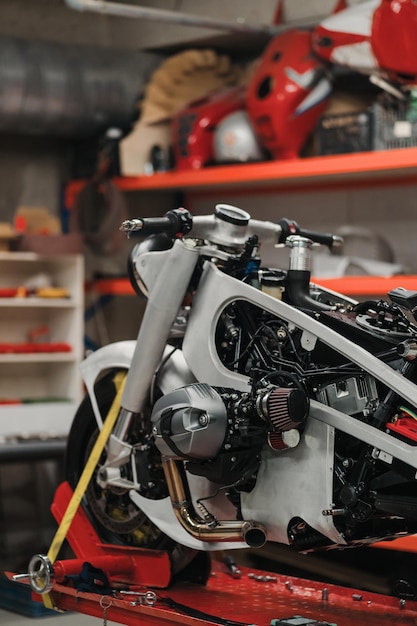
(209, 528)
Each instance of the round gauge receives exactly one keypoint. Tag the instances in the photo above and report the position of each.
(232, 214)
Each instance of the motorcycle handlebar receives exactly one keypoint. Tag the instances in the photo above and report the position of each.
(179, 222)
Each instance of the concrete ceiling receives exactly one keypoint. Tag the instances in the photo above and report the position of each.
(53, 20)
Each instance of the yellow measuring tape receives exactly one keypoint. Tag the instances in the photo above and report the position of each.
(77, 496)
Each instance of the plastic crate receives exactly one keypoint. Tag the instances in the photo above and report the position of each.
(393, 127)
(345, 132)
(378, 128)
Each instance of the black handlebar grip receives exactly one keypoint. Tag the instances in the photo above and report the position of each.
(290, 227)
(326, 239)
(174, 223)
(155, 225)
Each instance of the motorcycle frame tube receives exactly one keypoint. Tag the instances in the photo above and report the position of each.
(165, 299)
(381, 441)
(218, 290)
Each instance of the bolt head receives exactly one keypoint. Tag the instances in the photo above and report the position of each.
(203, 419)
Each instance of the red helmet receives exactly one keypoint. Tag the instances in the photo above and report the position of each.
(287, 94)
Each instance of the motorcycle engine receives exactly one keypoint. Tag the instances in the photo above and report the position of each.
(220, 432)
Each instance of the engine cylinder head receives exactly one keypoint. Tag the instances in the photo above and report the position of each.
(190, 422)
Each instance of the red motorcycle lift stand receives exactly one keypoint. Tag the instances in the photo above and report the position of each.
(140, 590)
(240, 602)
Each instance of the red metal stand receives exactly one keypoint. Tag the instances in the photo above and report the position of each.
(245, 600)
(253, 597)
(151, 568)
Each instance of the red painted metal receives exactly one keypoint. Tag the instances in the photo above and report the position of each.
(110, 287)
(396, 167)
(254, 597)
(131, 565)
(246, 600)
(406, 427)
(403, 544)
(112, 566)
(376, 286)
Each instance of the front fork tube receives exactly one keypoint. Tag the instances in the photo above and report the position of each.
(165, 300)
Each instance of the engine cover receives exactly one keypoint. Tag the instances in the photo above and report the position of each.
(190, 422)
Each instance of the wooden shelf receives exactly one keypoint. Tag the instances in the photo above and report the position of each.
(379, 168)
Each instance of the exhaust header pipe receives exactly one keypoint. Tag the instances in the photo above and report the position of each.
(208, 529)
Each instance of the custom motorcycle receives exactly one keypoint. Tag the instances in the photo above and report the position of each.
(257, 406)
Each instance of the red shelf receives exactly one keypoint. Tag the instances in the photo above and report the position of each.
(110, 287)
(384, 167)
(373, 286)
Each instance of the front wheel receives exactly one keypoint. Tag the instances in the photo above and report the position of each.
(114, 516)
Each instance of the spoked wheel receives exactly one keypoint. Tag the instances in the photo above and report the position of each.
(115, 517)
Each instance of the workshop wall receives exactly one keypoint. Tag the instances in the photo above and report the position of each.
(33, 168)
(33, 165)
